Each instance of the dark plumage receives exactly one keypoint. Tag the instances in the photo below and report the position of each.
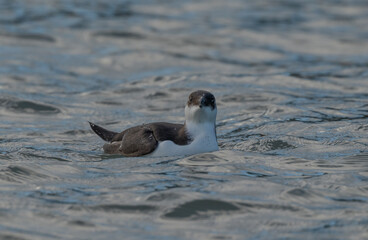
(144, 139)
(147, 135)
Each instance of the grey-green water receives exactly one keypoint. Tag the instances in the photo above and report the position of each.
(291, 82)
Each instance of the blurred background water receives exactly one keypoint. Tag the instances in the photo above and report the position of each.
(290, 78)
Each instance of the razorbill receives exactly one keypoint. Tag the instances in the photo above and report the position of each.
(196, 135)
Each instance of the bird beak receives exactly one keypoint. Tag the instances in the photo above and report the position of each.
(207, 102)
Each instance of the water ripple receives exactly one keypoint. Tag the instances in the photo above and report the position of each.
(290, 80)
(25, 106)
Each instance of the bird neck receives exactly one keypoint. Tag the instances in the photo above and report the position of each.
(196, 129)
(197, 115)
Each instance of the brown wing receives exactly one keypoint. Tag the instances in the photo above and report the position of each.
(112, 148)
(138, 141)
(141, 140)
(170, 131)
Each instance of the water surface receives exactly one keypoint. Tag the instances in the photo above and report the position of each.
(290, 78)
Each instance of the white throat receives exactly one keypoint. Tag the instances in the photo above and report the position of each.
(200, 125)
(200, 121)
(195, 114)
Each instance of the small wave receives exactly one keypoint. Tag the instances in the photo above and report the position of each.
(299, 192)
(263, 145)
(157, 197)
(76, 132)
(270, 206)
(25, 106)
(206, 159)
(157, 95)
(128, 90)
(81, 223)
(200, 208)
(18, 174)
(11, 237)
(30, 36)
(116, 208)
(351, 199)
(119, 34)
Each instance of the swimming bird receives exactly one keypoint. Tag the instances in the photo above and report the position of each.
(196, 135)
